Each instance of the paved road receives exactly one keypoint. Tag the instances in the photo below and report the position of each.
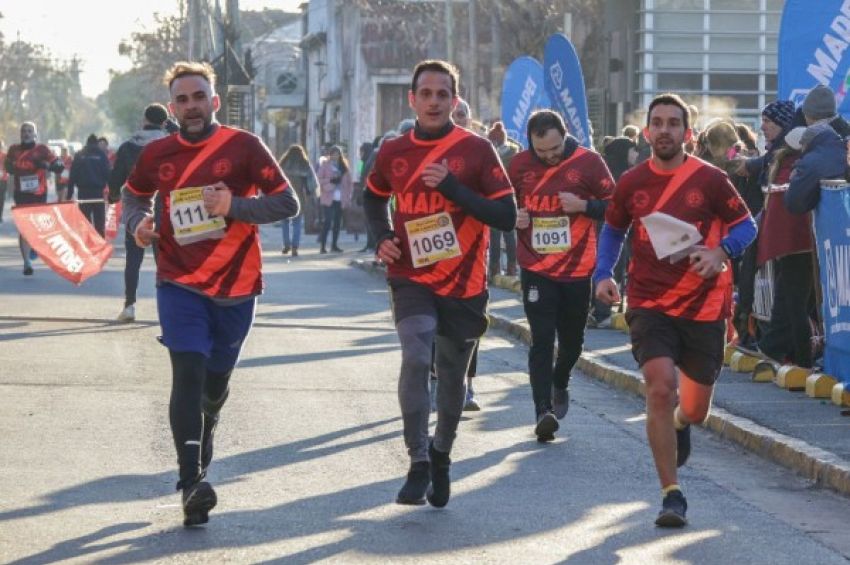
(310, 455)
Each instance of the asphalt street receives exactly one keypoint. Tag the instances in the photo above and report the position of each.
(309, 454)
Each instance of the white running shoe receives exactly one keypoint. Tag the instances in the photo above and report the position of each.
(128, 314)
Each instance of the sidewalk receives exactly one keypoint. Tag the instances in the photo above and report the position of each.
(807, 435)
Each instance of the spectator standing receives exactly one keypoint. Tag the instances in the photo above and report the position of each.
(4, 179)
(506, 149)
(336, 190)
(90, 174)
(296, 167)
(153, 124)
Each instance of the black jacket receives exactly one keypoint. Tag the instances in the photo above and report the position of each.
(128, 154)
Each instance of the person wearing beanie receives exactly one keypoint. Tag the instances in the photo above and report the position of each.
(154, 118)
(819, 106)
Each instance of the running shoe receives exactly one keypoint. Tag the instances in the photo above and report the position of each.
(198, 499)
(414, 488)
(28, 270)
(470, 404)
(128, 314)
(683, 445)
(560, 401)
(673, 509)
(440, 490)
(547, 425)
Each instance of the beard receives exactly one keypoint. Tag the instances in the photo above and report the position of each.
(666, 149)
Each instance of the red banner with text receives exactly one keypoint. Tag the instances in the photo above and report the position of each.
(63, 239)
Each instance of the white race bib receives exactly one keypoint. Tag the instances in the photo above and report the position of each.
(29, 183)
(190, 219)
(551, 235)
(431, 239)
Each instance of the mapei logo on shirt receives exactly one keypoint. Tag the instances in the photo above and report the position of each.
(694, 198)
(399, 166)
(457, 165)
(573, 176)
(222, 167)
(529, 177)
(640, 200)
(166, 172)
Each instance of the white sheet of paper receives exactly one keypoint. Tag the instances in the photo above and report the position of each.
(670, 237)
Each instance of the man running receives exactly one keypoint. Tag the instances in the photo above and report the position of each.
(449, 185)
(29, 162)
(562, 190)
(680, 284)
(208, 267)
(153, 128)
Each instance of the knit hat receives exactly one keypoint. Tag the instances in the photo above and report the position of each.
(497, 133)
(780, 112)
(156, 114)
(819, 103)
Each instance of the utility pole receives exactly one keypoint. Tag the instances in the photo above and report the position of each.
(473, 57)
(449, 31)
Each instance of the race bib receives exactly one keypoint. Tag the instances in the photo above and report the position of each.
(189, 218)
(29, 183)
(431, 239)
(550, 235)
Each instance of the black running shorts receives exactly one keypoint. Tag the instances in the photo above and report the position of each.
(695, 347)
(457, 318)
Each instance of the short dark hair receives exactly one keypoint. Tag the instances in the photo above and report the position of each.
(542, 121)
(156, 114)
(437, 66)
(670, 99)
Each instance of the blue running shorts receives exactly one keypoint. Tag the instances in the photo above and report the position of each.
(194, 323)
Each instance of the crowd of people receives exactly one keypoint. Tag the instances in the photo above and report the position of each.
(439, 195)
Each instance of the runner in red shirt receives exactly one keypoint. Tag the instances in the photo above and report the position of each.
(208, 269)
(29, 162)
(562, 191)
(680, 283)
(449, 185)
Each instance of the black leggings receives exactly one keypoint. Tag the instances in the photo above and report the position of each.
(332, 218)
(197, 396)
(789, 333)
(553, 308)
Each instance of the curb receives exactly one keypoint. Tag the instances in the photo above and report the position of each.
(817, 465)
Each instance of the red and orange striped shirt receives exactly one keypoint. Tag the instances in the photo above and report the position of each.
(220, 268)
(537, 184)
(398, 170)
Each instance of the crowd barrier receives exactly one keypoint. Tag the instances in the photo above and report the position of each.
(832, 235)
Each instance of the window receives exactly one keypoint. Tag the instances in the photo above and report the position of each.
(735, 22)
(678, 61)
(679, 5)
(681, 21)
(733, 62)
(736, 5)
(733, 82)
(678, 81)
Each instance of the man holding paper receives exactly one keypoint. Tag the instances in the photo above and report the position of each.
(689, 221)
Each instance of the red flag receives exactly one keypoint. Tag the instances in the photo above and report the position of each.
(63, 238)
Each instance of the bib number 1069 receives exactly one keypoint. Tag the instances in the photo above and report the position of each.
(432, 239)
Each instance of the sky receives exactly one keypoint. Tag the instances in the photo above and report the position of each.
(92, 29)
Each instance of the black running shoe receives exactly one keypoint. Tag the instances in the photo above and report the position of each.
(547, 425)
(673, 509)
(440, 489)
(418, 479)
(198, 499)
(27, 270)
(210, 423)
(683, 445)
(560, 402)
